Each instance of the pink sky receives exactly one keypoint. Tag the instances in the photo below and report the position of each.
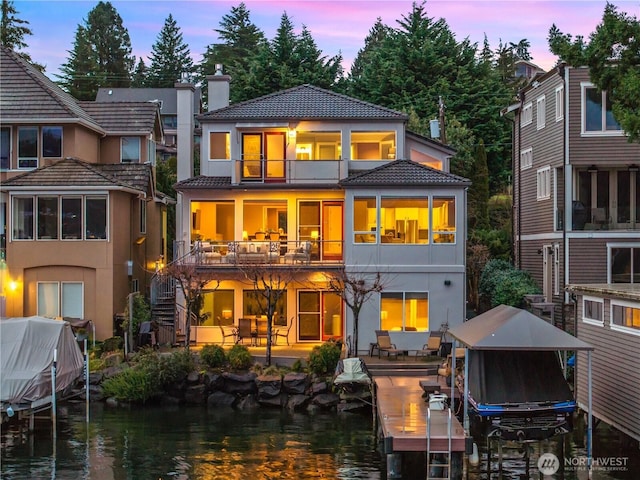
(336, 26)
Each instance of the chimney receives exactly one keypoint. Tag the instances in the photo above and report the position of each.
(218, 89)
(185, 92)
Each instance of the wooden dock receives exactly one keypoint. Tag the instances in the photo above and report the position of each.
(402, 417)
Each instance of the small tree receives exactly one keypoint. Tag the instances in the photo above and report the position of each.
(270, 283)
(355, 288)
(191, 283)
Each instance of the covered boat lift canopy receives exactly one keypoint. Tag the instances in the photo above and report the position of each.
(509, 328)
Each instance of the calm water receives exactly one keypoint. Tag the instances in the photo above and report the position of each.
(193, 443)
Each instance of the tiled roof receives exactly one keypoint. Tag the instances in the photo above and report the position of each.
(123, 117)
(167, 97)
(404, 173)
(304, 102)
(71, 172)
(202, 181)
(29, 96)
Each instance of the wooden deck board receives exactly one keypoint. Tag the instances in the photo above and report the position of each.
(402, 413)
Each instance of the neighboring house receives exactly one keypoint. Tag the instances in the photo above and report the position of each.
(527, 70)
(166, 98)
(577, 222)
(82, 223)
(314, 181)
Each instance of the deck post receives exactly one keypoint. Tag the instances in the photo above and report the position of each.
(394, 465)
(590, 417)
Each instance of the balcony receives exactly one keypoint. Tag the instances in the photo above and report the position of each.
(288, 171)
(595, 219)
(288, 253)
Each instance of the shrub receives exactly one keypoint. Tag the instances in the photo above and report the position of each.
(132, 385)
(240, 357)
(112, 344)
(324, 359)
(512, 288)
(175, 367)
(141, 313)
(297, 366)
(213, 356)
(491, 276)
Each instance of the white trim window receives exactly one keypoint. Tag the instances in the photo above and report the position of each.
(597, 116)
(593, 311)
(527, 115)
(130, 150)
(541, 112)
(559, 95)
(625, 317)
(27, 147)
(526, 158)
(60, 299)
(543, 183)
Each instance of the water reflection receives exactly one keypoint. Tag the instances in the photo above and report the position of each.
(193, 443)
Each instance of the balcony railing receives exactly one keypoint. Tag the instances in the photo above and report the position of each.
(289, 171)
(261, 252)
(592, 219)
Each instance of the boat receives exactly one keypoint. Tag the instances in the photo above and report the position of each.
(518, 395)
(30, 348)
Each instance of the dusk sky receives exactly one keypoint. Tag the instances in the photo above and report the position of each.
(336, 26)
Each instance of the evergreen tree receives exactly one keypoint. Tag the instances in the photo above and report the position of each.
(479, 191)
(241, 40)
(101, 55)
(13, 30)
(613, 58)
(170, 57)
(140, 75)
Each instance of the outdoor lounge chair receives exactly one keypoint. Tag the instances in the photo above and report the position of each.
(432, 346)
(383, 343)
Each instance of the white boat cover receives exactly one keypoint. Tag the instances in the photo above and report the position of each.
(27, 347)
(352, 370)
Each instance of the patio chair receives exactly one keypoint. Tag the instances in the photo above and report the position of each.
(432, 346)
(282, 332)
(383, 343)
(228, 331)
(244, 330)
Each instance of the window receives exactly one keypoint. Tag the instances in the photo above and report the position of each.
(400, 310)
(526, 159)
(624, 264)
(28, 147)
(71, 218)
(57, 214)
(217, 307)
(365, 220)
(593, 311)
(143, 216)
(151, 152)
(597, 116)
(318, 145)
(130, 150)
(544, 183)
(319, 315)
(405, 220)
(625, 316)
(96, 218)
(444, 220)
(5, 148)
(60, 299)
(22, 218)
(52, 142)
(559, 103)
(541, 112)
(219, 146)
(254, 303)
(527, 114)
(170, 121)
(373, 145)
(47, 218)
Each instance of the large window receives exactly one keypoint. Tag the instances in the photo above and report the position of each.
(408, 311)
(559, 96)
(219, 146)
(318, 146)
(597, 116)
(624, 264)
(61, 299)
(57, 214)
(213, 221)
(404, 220)
(255, 304)
(5, 148)
(28, 147)
(217, 308)
(365, 220)
(625, 315)
(373, 145)
(52, 142)
(130, 150)
(320, 315)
